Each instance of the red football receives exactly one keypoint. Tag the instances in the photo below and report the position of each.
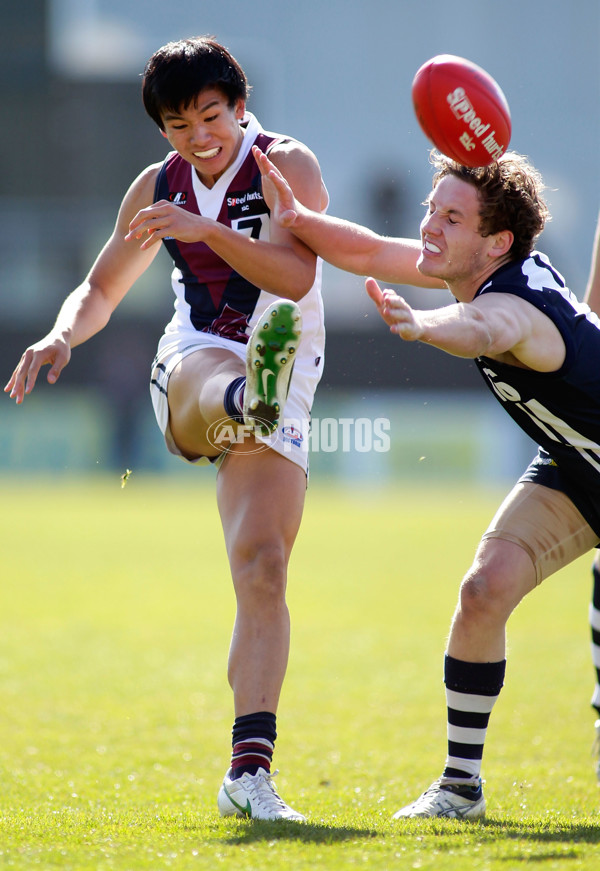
(462, 110)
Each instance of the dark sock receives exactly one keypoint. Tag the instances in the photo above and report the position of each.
(233, 400)
(253, 741)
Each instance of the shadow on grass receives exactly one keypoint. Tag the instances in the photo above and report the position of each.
(541, 832)
(310, 833)
(552, 831)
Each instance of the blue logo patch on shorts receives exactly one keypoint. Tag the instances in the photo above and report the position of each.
(292, 435)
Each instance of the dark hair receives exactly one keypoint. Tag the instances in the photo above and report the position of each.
(510, 196)
(177, 72)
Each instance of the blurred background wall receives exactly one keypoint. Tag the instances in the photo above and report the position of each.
(337, 75)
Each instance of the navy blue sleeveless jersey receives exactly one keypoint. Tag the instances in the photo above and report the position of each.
(559, 410)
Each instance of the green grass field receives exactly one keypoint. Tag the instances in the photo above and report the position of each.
(115, 615)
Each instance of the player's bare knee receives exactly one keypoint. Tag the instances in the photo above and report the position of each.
(485, 592)
(260, 573)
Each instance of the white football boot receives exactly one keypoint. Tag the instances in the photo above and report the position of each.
(254, 796)
(447, 800)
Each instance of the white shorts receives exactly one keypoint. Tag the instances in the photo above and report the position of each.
(290, 439)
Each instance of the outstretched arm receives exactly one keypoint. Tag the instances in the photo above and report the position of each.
(497, 325)
(89, 307)
(343, 244)
(457, 329)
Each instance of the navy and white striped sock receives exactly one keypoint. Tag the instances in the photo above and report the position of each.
(595, 635)
(253, 742)
(233, 399)
(471, 692)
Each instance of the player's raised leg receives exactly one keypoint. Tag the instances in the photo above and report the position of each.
(197, 390)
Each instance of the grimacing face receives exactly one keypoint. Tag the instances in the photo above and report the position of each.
(207, 133)
(453, 248)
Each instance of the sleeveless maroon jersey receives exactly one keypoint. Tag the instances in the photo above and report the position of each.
(211, 296)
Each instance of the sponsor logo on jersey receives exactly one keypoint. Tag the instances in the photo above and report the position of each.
(244, 199)
(178, 197)
(248, 204)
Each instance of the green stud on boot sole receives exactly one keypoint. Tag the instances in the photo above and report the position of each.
(270, 357)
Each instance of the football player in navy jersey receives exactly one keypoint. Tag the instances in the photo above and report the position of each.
(538, 350)
(248, 307)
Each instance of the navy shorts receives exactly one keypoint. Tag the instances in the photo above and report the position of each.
(543, 470)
